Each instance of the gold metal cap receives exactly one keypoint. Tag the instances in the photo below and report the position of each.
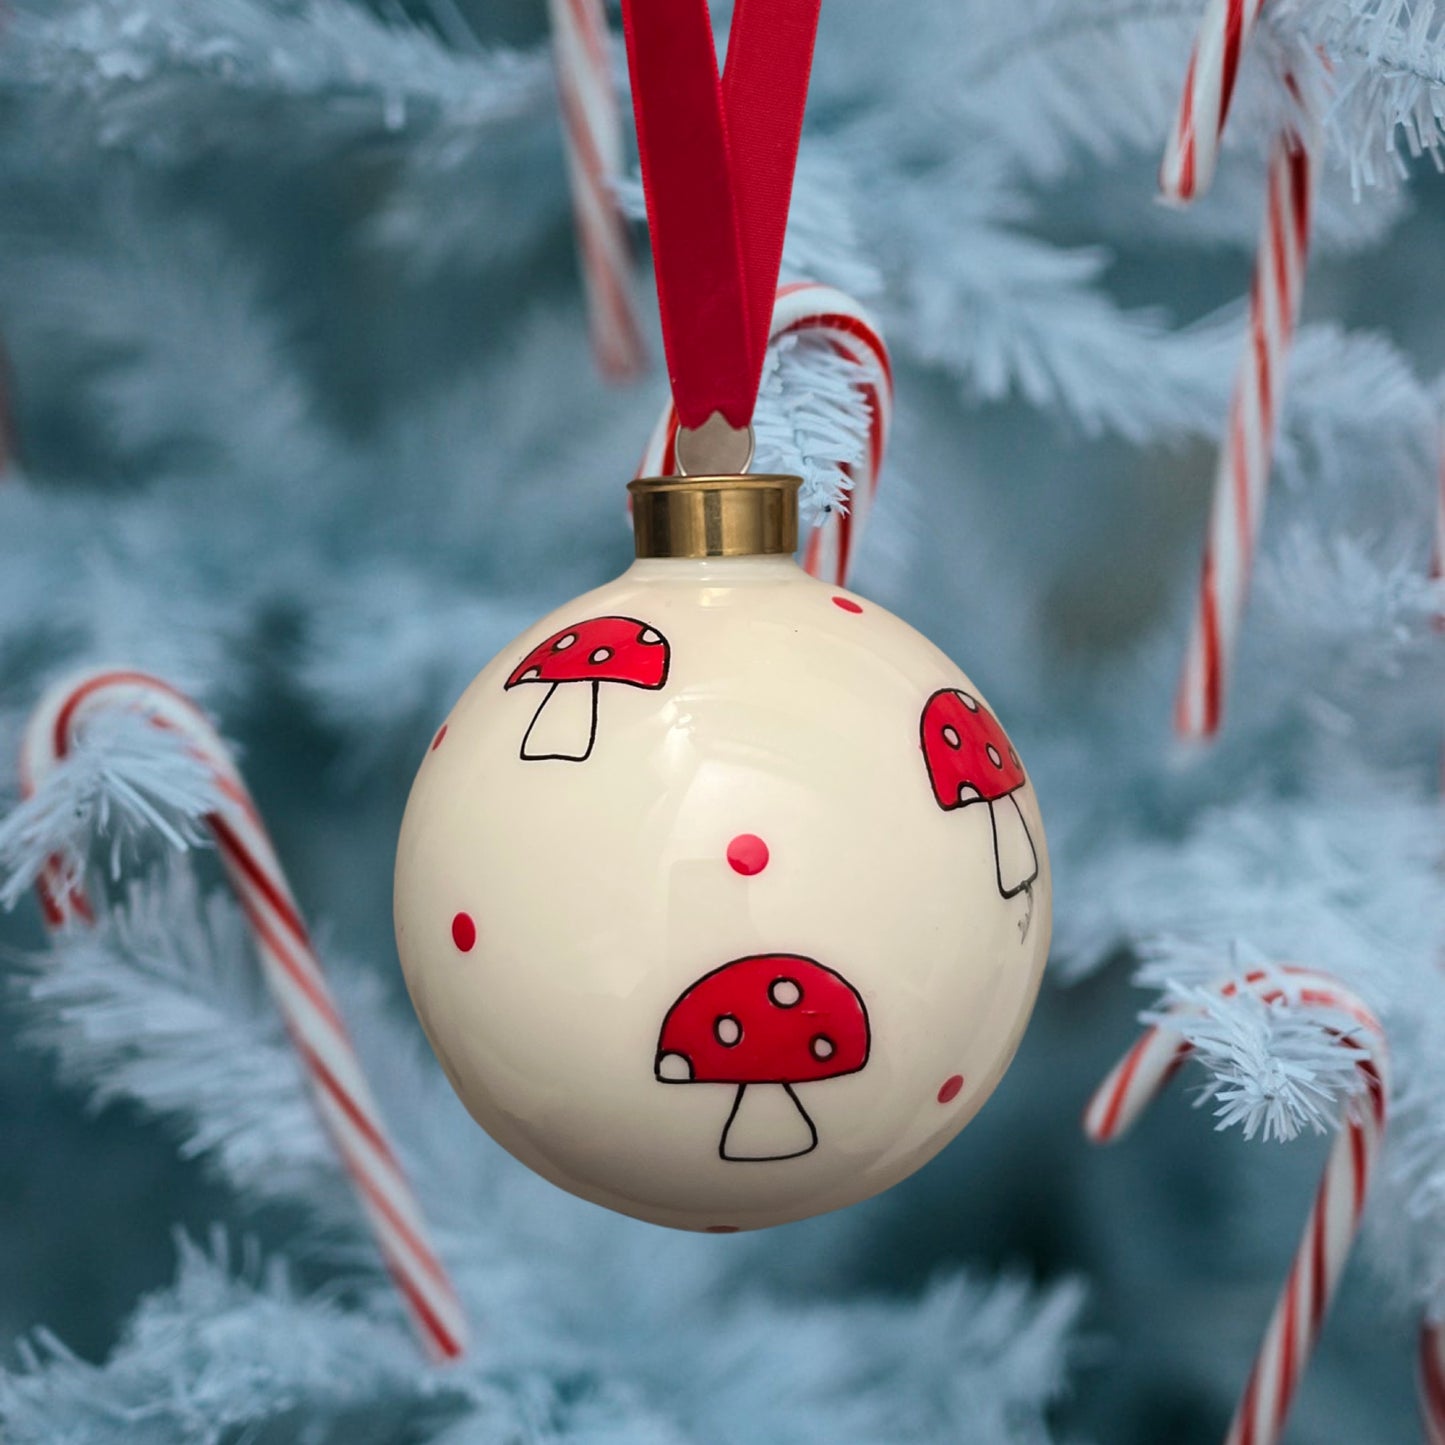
(734, 516)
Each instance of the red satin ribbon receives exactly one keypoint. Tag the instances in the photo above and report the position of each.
(718, 155)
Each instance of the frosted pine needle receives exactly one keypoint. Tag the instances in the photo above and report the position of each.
(124, 779)
(162, 1004)
(809, 422)
(1275, 1069)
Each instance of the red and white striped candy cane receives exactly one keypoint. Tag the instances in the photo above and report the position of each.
(7, 419)
(1241, 478)
(1437, 550)
(809, 307)
(289, 965)
(1192, 150)
(1242, 473)
(1431, 1360)
(1339, 1203)
(592, 128)
(1430, 1378)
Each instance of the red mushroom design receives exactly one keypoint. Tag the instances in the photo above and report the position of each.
(970, 760)
(765, 1024)
(574, 663)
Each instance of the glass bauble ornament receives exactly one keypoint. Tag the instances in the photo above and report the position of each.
(722, 894)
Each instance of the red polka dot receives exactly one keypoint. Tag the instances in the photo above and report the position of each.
(847, 604)
(464, 932)
(747, 854)
(722, 1229)
(949, 1092)
(436, 742)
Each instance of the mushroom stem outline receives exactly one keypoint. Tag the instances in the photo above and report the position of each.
(569, 743)
(1016, 861)
(778, 1136)
(622, 651)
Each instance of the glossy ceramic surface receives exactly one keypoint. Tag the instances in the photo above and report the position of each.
(722, 896)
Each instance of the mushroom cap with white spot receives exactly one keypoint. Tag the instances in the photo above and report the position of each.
(966, 751)
(674, 1068)
(780, 1004)
(600, 649)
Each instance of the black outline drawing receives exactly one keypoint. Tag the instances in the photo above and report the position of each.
(743, 1085)
(961, 802)
(595, 688)
(722, 1147)
(595, 684)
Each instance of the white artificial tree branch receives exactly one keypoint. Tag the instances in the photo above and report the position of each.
(235, 1345)
(121, 70)
(161, 1004)
(1276, 1068)
(811, 421)
(122, 781)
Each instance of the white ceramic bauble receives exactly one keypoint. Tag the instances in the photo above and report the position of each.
(722, 896)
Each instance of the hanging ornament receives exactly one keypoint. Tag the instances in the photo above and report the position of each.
(823, 313)
(721, 893)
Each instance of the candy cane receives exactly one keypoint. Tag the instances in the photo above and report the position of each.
(1430, 1379)
(1335, 1216)
(8, 446)
(1192, 150)
(592, 128)
(289, 965)
(809, 307)
(1437, 550)
(1241, 478)
(1430, 1373)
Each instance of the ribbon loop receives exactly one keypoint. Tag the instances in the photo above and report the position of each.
(718, 154)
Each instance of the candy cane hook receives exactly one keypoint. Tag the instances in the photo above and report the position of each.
(1241, 479)
(1334, 1218)
(290, 967)
(802, 308)
(1192, 150)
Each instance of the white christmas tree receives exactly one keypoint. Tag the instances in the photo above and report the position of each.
(307, 424)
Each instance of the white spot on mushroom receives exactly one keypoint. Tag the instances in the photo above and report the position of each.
(675, 1067)
(822, 1047)
(728, 1030)
(993, 756)
(950, 736)
(971, 703)
(1014, 758)
(784, 992)
(531, 674)
(967, 793)
(650, 636)
(601, 655)
(562, 643)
